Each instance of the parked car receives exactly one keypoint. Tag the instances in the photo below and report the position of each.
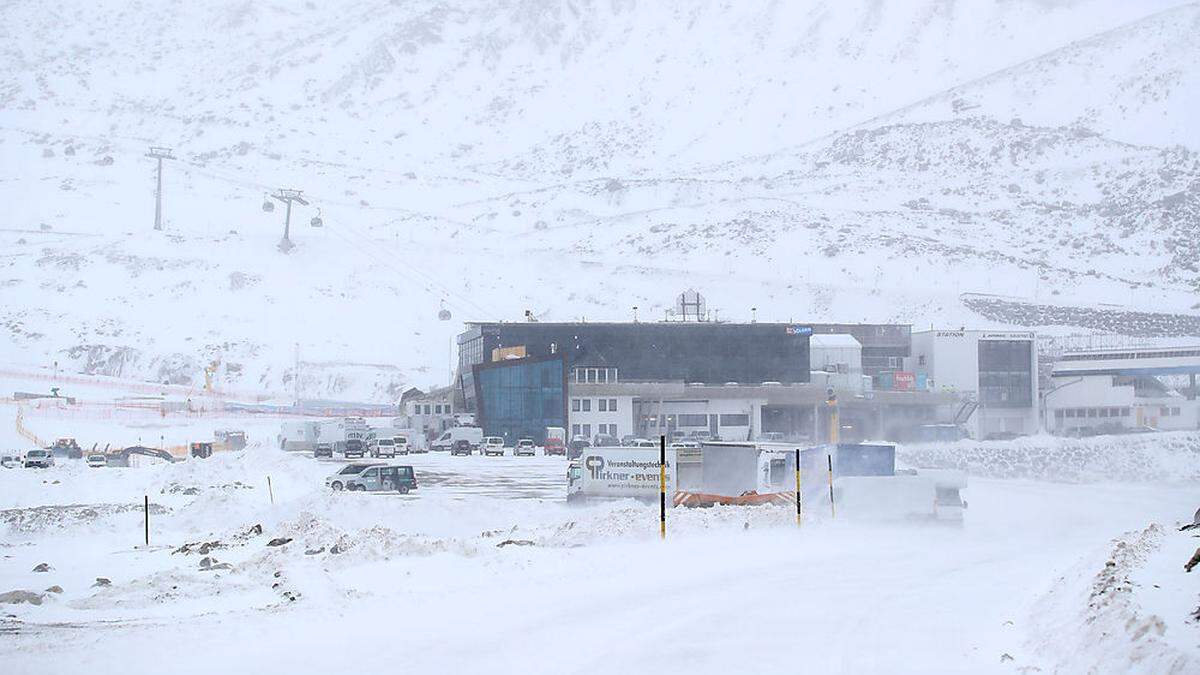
(461, 447)
(605, 441)
(492, 446)
(97, 460)
(383, 447)
(575, 449)
(524, 448)
(684, 444)
(38, 459)
(323, 450)
(382, 478)
(354, 448)
(10, 461)
(338, 480)
(644, 443)
(627, 440)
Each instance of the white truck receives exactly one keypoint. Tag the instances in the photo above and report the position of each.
(865, 481)
(414, 440)
(443, 443)
(301, 436)
(619, 473)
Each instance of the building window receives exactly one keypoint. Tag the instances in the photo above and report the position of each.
(1175, 412)
(575, 405)
(603, 405)
(587, 405)
(1006, 373)
(735, 420)
(1091, 412)
(921, 360)
(1070, 412)
(693, 420)
(612, 405)
(587, 430)
(1124, 412)
(575, 430)
(428, 409)
(1058, 414)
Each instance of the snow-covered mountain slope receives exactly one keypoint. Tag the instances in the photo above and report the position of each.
(822, 160)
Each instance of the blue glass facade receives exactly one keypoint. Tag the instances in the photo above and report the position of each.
(520, 398)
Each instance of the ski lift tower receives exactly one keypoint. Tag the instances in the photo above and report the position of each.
(287, 197)
(160, 154)
(692, 302)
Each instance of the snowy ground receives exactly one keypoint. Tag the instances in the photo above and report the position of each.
(485, 567)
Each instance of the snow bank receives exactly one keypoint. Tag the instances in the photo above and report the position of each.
(1101, 625)
(1139, 458)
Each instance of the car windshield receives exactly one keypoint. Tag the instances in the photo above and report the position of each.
(36, 453)
(352, 468)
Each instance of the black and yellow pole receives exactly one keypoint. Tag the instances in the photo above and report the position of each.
(832, 509)
(662, 487)
(799, 508)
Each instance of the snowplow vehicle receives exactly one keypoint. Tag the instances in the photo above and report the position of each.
(66, 448)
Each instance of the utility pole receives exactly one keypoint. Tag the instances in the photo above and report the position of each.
(287, 197)
(160, 154)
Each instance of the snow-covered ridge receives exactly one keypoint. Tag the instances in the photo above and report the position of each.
(835, 161)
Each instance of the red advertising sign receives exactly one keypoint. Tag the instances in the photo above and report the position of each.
(903, 380)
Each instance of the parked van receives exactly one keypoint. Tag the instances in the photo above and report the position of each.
(493, 446)
(370, 477)
(383, 447)
(473, 435)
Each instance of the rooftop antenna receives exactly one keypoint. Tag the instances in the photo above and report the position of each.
(159, 154)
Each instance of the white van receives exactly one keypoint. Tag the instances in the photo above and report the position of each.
(383, 447)
(473, 435)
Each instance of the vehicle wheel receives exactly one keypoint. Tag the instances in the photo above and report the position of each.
(337, 487)
(403, 489)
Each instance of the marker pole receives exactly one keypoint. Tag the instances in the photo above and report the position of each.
(799, 508)
(662, 487)
(146, 512)
(832, 509)
(271, 491)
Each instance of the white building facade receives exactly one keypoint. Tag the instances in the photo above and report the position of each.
(993, 372)
(1108, 391)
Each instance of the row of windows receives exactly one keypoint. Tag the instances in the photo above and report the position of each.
(585, 405)
(594, 375)
(1069, 413)
(585, 430)
(1172, 411)
(1171, 354)
(700, 420)
(431, 409)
